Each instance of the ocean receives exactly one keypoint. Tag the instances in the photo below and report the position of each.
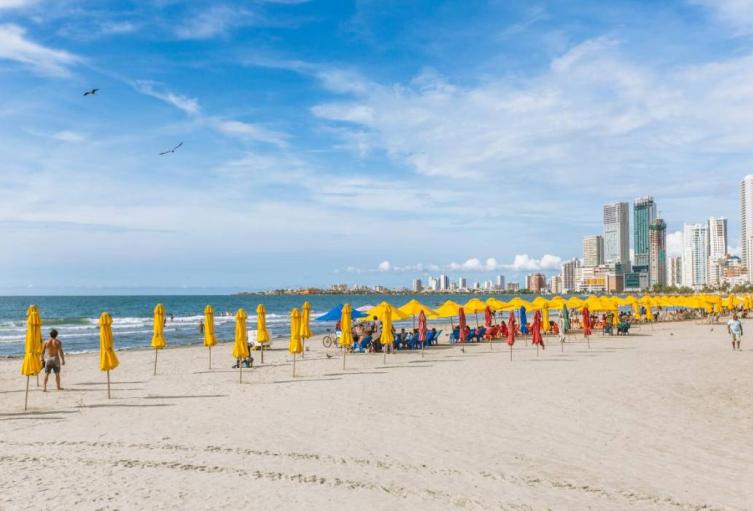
(75, 317)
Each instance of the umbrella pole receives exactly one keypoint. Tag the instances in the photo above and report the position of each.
(422, 349)
(210, 357)
(108, 384)
(240, 371)
(303, 347)
(26, 399)
(344, 353)
(537, 349)
(476, 314)
(155, 361)
(588, 339)
(262, 352)
(293, 365)
(511, 353)
(384, 352)
(37, 379)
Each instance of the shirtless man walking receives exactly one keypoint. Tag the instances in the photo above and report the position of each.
(55, 358)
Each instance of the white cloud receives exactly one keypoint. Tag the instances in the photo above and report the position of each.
(253, 132)
(215, 21)
(118, 27)
(735, 13)
(524, 262)
(15, 4)
(184, 103)
(384, 266)
(68, 136)
(15, 46)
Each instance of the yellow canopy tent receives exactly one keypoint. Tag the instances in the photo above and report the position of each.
(240, 347)
(32, 363)
(209, 337)
(108, 360)
(158, 332)
(295, 346)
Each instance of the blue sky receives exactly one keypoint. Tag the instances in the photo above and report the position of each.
(367, 141)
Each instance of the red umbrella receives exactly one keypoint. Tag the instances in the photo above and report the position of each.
(511, 328)
(537, 339)
(461, 323)
(488, 317)
(503, 329)
(586, 322)
(422, 329)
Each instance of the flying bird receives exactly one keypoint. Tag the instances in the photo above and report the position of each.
(92, 92)
(171, 150)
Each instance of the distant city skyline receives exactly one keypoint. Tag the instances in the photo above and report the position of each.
(325, 142)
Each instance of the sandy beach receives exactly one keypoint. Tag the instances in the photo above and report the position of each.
(658, 420)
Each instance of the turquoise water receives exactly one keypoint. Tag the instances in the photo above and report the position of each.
(75, 317)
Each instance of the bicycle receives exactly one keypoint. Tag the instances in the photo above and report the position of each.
(330, 339)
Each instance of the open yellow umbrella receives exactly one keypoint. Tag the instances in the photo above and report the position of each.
(295, 346)
(474, 306)
(448, 309)
(108, 360)
(158, 335)
(240, 348)
(380, 310)
(346, 328)
(32, 363)
(305, 327)
(414, 308)
(387, 338)
(262, 335)
(209, 338)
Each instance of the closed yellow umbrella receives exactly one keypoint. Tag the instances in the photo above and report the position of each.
(209, 338)
(305, 327)
(108, 360)
(240, 347)
(158, 335)
(295, 346)
(262, 335)
(32, 363)
(545, 318)
(387, 338)
(346, 327)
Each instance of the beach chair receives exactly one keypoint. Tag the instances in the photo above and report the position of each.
(412, 342)
(623, 328)
(455, 335)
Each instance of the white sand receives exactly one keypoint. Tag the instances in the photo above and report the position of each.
(652, 421)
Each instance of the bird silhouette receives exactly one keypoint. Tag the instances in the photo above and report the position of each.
(171, 150)
(92, 92)
(328, 355)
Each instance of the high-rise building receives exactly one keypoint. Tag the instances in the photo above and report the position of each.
(674, 271)
(513, 286)
(500, 281)
(657, 253)
(746, 222)
(444, 283)
(695, 246)
(555, 284)
(644, 215)
(593, 250)
(462, 283)
(536, 282)
(568, 274)
(417, 286)
(717, 250)
(433, 284)
(617, 235)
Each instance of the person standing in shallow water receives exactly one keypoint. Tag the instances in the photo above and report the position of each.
(55, 358)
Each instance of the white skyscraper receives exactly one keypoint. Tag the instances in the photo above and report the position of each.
(717, 249)
(500, 281)
(462, 283)
(674, 271)
(444, 283)
(417, 286)
(746, 222)
(617, 234)
(695, 245)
